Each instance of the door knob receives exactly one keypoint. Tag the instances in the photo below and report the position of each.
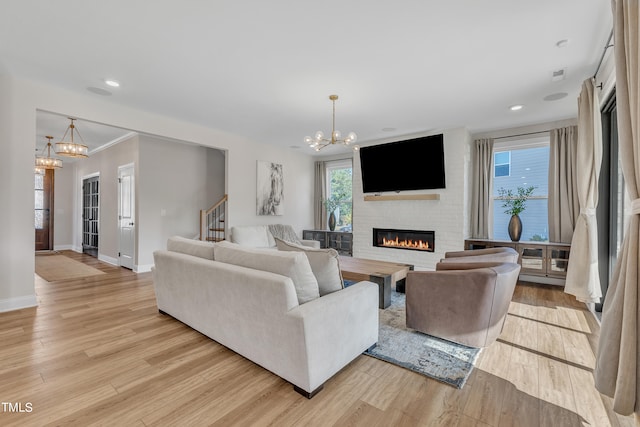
(130, 223)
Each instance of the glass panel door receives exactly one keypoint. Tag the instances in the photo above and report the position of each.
(90, 215)
(532, 258)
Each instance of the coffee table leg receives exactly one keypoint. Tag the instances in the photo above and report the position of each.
(384, 289)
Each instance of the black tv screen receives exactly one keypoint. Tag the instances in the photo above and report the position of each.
(413, 164)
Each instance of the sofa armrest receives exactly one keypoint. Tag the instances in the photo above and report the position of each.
(478, 252)
(337, 328)
(469, 265)
(311, 243)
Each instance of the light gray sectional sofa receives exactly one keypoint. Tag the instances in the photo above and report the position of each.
(267, 306)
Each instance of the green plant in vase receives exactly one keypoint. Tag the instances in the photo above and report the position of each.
(514, 204)
(331, 204)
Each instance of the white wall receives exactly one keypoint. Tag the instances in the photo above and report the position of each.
(105, 164)
(216, 167)
(172, 187)
(63, 207)
(448, 217)
(17, 143)
(298, 187)
(19, 101)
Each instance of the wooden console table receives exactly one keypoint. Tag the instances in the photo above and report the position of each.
(341, 241)
(538, 259)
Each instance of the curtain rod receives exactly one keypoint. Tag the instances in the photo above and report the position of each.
(524, 134)
(604, 51)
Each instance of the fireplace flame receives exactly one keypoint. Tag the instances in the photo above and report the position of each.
(406, 243)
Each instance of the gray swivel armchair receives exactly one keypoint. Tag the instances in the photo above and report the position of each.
(462, 302)
(482, 255)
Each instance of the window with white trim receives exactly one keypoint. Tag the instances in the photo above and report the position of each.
(502, 163)
(339, 175)
(523, 163)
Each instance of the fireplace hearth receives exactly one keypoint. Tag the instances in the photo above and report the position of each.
(413, 240)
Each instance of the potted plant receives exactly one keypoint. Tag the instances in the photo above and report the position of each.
(515, 204)
(331, 204)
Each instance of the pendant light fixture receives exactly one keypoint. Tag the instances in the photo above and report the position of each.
(319, 141)
(71, 148)
(47, 162)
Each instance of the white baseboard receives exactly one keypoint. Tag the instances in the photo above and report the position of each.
(108, 259)
(145, 268)
(63, 248)
(11, 304)
(76, 249)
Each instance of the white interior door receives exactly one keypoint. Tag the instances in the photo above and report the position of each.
(126, 216)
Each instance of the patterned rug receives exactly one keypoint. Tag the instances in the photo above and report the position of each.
(439, 359)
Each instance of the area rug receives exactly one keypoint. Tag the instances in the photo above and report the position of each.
(59, 267)
(439, 359)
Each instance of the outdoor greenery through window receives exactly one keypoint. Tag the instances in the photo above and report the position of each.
(524, 164)
(339, 185)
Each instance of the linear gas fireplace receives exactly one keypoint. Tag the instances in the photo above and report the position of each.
(414, 240)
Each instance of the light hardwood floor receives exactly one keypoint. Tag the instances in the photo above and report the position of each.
(96, 351)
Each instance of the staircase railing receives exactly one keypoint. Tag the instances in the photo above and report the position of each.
(212, 221)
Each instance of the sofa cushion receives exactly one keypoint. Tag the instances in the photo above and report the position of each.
(324, 264)
(294, 265)
(257, 236)
(192, 247)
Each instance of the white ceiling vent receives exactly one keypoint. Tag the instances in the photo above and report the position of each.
(559, 75)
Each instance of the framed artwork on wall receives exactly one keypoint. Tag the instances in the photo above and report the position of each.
(269, 189)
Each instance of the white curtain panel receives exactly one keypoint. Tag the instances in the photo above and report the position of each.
(319, 194)
(481, 217)
(583, 278)
(564, 206)
(618, 358)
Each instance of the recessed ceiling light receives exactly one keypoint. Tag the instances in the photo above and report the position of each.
(555, 96)
(99, 91)
(112, 83)
(516, 107)
(562, 43)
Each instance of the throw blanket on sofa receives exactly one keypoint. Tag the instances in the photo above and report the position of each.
(284, 232)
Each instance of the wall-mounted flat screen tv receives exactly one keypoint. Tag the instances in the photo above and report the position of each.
(413, 164)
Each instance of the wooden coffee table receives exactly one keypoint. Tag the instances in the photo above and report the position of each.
(384, 273)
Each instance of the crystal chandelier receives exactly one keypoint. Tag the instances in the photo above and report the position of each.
(319, 141)
(70, 148)
(47, 162)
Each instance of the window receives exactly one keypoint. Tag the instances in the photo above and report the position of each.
(502, 163)
(39, 201)
(522, 164)
(339, 186)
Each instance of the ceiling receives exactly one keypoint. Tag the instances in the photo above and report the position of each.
(265, 71)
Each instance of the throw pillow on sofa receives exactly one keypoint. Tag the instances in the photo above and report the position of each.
(324, 264)
(190, 247)
(257, 236)
(294, 265)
